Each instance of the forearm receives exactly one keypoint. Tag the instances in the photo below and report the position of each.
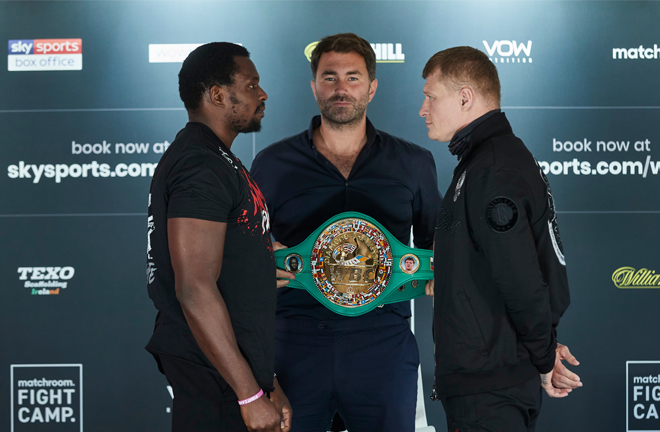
(206, 314)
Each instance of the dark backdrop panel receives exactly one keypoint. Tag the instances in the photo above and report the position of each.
(565, 88)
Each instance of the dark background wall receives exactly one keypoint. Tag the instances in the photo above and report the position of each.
(564, 86)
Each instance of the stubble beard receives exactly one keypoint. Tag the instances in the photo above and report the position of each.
(238, 124)
(345, 116)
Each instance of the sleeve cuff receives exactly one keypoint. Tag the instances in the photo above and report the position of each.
(546, 366)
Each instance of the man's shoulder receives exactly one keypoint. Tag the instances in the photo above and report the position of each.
(506, 152)
(285, 151)
(403, 146)
(281, 147)
(507, 158)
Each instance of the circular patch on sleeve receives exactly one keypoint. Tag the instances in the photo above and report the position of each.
(502, 214)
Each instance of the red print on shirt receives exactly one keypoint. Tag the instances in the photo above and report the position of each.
(260, 208)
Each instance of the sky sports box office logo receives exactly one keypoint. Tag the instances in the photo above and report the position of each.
(44, 55)
(46, 397)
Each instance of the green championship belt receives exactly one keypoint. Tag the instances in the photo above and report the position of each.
(351, 264)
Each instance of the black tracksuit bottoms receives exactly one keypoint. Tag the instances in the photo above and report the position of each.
(513, 409)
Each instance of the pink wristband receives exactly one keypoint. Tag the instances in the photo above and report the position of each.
(252, 398)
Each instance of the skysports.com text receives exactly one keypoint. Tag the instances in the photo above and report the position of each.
(577, 167)
(92, 169)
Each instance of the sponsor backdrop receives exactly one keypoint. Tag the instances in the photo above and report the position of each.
(90, 102)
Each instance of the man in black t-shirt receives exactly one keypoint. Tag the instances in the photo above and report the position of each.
(210, 265)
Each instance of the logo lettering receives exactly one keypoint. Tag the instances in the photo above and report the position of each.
(509, 51)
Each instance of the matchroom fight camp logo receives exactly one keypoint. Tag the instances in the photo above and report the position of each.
(46, 397)
(44, 55)
(642, 396)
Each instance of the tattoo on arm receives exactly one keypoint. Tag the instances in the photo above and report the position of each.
(544, 378)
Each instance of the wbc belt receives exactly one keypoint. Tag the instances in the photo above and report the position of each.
(351, 265)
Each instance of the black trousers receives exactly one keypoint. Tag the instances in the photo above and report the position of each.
(513, 409)
(365, 368)
(203, 401)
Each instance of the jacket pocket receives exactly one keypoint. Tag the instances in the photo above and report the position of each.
(471, 319)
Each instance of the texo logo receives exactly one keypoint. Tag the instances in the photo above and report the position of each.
(46, 280)
(505, 51)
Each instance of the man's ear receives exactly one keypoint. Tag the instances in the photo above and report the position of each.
(467, 98)
(216, 95)
(313, 84)
(373, 85)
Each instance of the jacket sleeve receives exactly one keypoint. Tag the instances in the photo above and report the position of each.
(500, 210)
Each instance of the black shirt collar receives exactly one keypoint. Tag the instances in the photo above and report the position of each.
(209, 133)
(372, 132)
(493, 123)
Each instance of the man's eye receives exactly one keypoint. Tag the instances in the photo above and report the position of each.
(252, 86)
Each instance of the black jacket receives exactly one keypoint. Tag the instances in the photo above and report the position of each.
(500, 275)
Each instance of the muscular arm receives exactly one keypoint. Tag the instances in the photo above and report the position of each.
(196, 247)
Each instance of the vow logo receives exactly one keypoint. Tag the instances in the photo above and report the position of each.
(505, 51)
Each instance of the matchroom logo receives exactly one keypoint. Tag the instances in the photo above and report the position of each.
(505, 51)
(642, 396)
(44, 55)
(46, 397)
(636, 53)
(628, 277)
(385, 52)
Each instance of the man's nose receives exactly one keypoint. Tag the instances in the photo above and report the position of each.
(424, 109)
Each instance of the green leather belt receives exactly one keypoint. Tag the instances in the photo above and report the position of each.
(351, 264)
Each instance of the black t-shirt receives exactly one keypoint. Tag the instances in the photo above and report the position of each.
(198, 177)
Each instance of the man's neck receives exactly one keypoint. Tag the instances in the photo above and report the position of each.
(344, 141)
(218, 126)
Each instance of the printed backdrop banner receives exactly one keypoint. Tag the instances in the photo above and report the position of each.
(90, 102)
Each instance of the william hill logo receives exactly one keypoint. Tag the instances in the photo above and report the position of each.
(628, 277)
(385, 52)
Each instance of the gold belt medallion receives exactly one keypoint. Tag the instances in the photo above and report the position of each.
(351, 262)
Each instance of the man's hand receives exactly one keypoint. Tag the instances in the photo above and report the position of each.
(563, 378)
(552, 391)
(261, 416)
(282, 275)
(282, 405)
(429, 288)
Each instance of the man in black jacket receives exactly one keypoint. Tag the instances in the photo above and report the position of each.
(499, 269)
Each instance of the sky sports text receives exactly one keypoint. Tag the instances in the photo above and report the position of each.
(578, 167)
(93, 169)
(44, 54)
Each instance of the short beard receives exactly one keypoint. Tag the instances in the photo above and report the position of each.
(343, 117)
(253, 126)
(237, 125)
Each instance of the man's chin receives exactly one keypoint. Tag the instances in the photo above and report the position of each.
(253, 126)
